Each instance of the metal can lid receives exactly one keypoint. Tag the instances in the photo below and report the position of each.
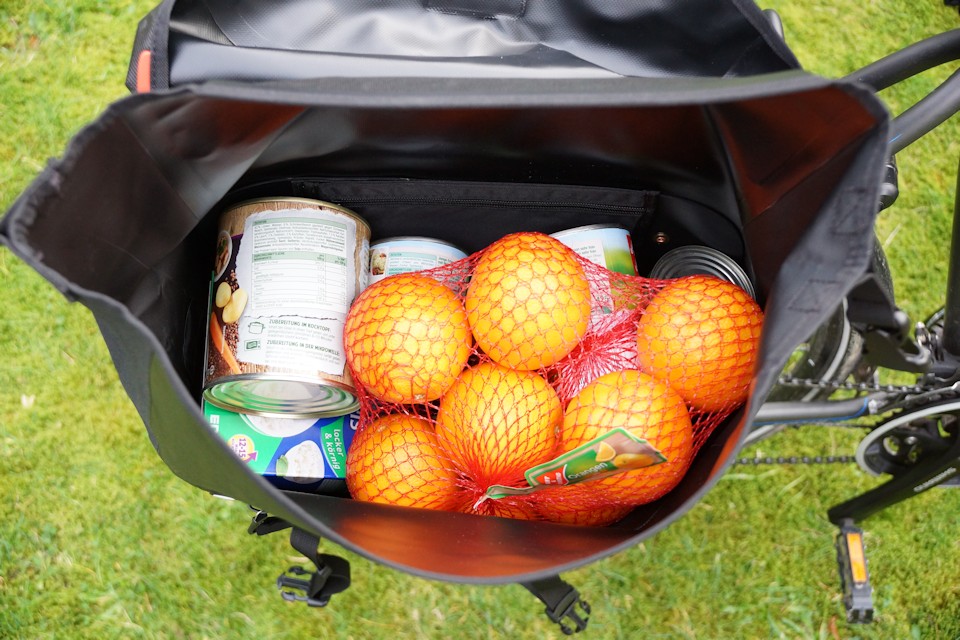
(699, 260)
(281, 396)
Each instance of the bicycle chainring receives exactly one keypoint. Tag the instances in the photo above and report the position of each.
(880, 445)
(909, 438)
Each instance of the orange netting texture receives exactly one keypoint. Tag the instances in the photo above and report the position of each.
(472, 373)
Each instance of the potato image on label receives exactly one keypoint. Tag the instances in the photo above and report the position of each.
(303, 463)
(234, 308)
(224, 293)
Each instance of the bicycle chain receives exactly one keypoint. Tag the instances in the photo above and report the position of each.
(864, 387)
(860, 387)
(768, 460)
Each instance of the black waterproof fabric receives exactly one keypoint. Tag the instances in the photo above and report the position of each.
(194, 40)
(781, 170)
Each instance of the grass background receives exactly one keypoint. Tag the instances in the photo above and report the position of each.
(99, 540)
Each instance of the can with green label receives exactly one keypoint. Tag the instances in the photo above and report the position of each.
(297, 454)
(609, 246)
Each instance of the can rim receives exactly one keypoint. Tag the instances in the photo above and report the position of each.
(323, 204)
(701, 259)
(589, 227)
(426, 239)
(348, 391)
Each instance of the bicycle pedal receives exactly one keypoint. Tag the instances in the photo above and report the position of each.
(854, 577)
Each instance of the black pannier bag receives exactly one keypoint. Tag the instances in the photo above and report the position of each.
(689, 121)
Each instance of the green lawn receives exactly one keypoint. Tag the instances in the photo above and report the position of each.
(99, 540)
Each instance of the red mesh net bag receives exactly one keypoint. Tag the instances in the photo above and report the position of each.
(527, 382)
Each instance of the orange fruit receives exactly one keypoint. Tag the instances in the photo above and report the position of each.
(701, 334)
(528, 303)
(497, 422)
(396, 460)
(406, 338)
(578, 504)
(649, 409)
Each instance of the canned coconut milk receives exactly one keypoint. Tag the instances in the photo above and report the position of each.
(286, 272)
(403, 255)
(609, 246)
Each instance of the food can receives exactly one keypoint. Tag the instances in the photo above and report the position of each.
(299, 454)
(411, 253)
(609, 246)
(693, 259)
(285, 273)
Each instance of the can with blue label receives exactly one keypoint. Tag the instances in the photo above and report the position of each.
(296, 454)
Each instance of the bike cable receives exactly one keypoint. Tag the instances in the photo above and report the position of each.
(906, 396)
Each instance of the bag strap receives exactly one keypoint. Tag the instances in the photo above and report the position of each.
(561, 602)
(296, 584)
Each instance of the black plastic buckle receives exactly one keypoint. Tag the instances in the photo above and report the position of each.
(563, 603)
(312, 588)
(263, 524)
(566, 609)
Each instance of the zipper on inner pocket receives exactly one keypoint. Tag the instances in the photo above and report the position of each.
(524, 204)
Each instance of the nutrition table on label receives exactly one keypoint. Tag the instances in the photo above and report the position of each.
(301, 262)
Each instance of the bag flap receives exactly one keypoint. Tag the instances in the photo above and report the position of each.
(290, 39)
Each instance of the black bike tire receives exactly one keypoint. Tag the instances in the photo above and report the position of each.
(838, 352)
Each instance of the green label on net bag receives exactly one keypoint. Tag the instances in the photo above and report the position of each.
(614, 452)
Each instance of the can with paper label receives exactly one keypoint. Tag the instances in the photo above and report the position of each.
(297, 454)
(411, 253)
(285, 274)
(609, 246)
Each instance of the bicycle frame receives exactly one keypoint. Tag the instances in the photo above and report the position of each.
(870, 308)
(933, 352)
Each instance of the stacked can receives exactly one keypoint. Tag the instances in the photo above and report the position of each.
(286, 272)
(406, 254)
(609, 246)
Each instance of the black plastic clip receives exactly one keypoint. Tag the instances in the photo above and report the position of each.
(312, 588)
(567, 609)
(331, 577)
(263, 524)
(564, 605)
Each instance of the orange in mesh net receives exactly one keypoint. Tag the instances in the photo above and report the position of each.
(649, 409)
(396, 460)
(496, 422)
(577, 504)
(701, 335)
(406, 338)
(485, 381)
(529, 302)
